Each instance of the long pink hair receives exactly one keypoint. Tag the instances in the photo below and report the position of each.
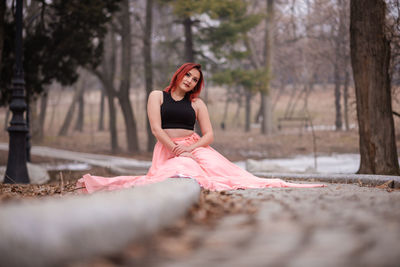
(180, 73)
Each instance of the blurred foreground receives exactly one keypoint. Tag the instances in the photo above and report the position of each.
(341, 225)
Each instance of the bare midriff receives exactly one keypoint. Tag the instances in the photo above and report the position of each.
(173, 133)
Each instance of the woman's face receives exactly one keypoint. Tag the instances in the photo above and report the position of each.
(190, 80)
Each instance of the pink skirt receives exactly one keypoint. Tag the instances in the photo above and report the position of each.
(210, 169)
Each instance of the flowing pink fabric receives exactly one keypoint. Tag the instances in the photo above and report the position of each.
(210, 169)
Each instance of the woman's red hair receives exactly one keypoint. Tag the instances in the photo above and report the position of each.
(180, 73)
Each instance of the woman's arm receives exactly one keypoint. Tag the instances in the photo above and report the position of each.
(205, 126)
(153, 112)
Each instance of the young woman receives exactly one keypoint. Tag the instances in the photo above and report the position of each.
(180, 152)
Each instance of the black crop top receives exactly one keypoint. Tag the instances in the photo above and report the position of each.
(177, 114)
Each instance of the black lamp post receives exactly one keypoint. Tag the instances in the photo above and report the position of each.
(17, 171)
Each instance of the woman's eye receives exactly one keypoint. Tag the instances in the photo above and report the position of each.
(187, 74)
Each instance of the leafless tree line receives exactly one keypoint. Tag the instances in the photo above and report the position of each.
(300, 43)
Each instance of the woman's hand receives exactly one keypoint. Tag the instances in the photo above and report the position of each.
(179, 149)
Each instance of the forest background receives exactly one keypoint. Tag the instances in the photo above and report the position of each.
(279, 76)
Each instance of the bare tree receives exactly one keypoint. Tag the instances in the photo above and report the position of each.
(393, 22)
(42, 113)
(100, 126)
(346, 97)
(124, 88)
(370, 57)
(148, 67)
(344, 23)
(2, 13)
(81, 109)
(106, 74)
(38, 115)
(189, 49)
(248, 96)
(71, 110)
(336, 75)
(266, 110)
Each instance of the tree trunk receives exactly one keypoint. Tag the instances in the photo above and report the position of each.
(130, 123)
(266, 122)
(81, 112)
(109, 67)
(106, 74)
(237, 113)
(71, 110)
(37, 118)
(123, 94)
(2, 13)
(53, 111)
(345, 57)
(148, 68)
(109, 91)
(370, 57)
(308, 88)
(338, 108)
(112, 124)
(42, 115)
(290, 102)
(259, 113)
(189, 51)
(33, 118)
(346, 98)
(248, 111)
(226, 108)
(101, 115)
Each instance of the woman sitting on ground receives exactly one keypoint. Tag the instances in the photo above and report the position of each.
(180, 152)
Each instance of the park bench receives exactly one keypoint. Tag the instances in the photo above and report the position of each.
(301, 122)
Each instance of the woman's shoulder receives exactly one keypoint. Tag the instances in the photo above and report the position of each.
(198, 102)
(156, 94)
(198, 99)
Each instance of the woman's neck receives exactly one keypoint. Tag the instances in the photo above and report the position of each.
(178, 93)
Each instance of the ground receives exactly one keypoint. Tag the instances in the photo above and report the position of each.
(339, 225)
